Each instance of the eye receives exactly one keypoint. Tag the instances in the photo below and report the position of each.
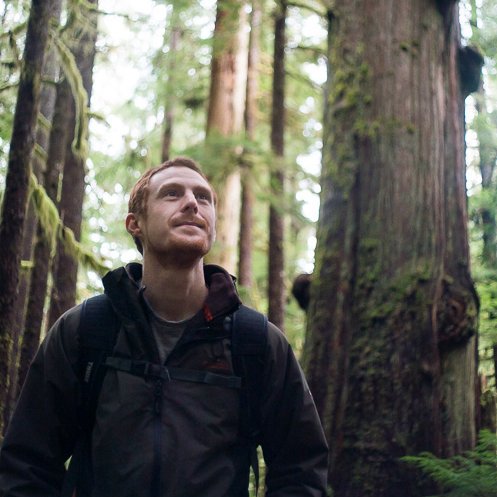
(171, 193)
(203, 196)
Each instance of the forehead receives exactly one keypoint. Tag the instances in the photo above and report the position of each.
(178, 175)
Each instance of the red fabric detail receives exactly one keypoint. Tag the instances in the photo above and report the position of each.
(207, 313)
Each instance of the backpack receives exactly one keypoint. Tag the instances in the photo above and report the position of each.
(97, 334)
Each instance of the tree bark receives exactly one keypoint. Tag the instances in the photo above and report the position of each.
(65, 271)
(17, 180)
(276, 259)
(42, 257)
(38, 164)
(225, 119)
(392, 318)
(245, 277)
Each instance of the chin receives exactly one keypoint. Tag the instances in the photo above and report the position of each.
(190, 250)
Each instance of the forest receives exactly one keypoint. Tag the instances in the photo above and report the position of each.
(352, 145)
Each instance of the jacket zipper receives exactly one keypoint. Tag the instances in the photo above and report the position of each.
(157, 463)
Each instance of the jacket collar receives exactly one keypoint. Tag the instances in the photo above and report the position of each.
(122, 285)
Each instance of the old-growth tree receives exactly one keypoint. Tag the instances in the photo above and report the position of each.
(18, 174)
(393, 310)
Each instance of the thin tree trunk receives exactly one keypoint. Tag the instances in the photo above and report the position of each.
(494, 358)
(245, 277)
(276, 260)
(225, 119)
(73, 185)
(17, 180)
(47, 102)
(169, 106)
(43, 248)
(392, 318)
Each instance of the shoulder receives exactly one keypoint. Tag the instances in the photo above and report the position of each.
(62, 340)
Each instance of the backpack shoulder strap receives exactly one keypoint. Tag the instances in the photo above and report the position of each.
(97, 334)
(248, 345)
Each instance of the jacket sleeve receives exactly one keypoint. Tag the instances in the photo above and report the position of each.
(42, 432)
(293, 441)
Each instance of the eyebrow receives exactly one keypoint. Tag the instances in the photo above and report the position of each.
(174, 184)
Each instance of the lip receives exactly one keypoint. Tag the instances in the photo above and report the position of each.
(190, 223)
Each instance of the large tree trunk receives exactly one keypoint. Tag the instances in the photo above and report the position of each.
(276, 259)
(225, 119)
(73, 183)
(393, 310)
(17, 181)
(47, 102)
(245, 278)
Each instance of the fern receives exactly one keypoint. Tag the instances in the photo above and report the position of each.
(472, 474)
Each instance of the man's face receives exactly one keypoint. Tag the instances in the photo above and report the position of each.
(180, 216)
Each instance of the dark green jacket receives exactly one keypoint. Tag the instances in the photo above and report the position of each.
(190, 443)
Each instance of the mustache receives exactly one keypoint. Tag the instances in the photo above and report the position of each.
(194, 221)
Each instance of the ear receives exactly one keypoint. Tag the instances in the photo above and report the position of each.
(133, 225)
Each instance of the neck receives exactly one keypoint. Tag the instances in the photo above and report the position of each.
(175, 293)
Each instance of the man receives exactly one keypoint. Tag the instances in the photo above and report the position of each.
(159, 438)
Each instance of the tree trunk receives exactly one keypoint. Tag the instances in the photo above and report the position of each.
(169, 106)
(276, 259)
(47, 101)
(245, 278)
(43, 248)
(225, 119)
(392, 318)
(17, 180)
(73, 182)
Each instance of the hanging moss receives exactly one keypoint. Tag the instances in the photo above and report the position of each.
(54, 229)
(73, 75)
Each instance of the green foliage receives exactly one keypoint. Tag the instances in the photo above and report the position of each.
(486, 285)
(470, 474)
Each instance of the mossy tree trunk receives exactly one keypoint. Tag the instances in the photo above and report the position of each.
(391, 350)
(17, 180)
(276, 259)
(42, 258)
(38, 164)
(65, 269)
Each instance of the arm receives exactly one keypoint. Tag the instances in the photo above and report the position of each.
(43, 429)
(293, 441)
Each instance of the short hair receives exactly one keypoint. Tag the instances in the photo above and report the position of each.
(138, 197)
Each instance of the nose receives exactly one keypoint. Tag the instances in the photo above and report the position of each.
(189, 202)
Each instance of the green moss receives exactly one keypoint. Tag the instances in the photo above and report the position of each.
(379, 301)
(410, 46)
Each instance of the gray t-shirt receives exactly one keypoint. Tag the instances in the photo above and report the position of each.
(166, 333)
